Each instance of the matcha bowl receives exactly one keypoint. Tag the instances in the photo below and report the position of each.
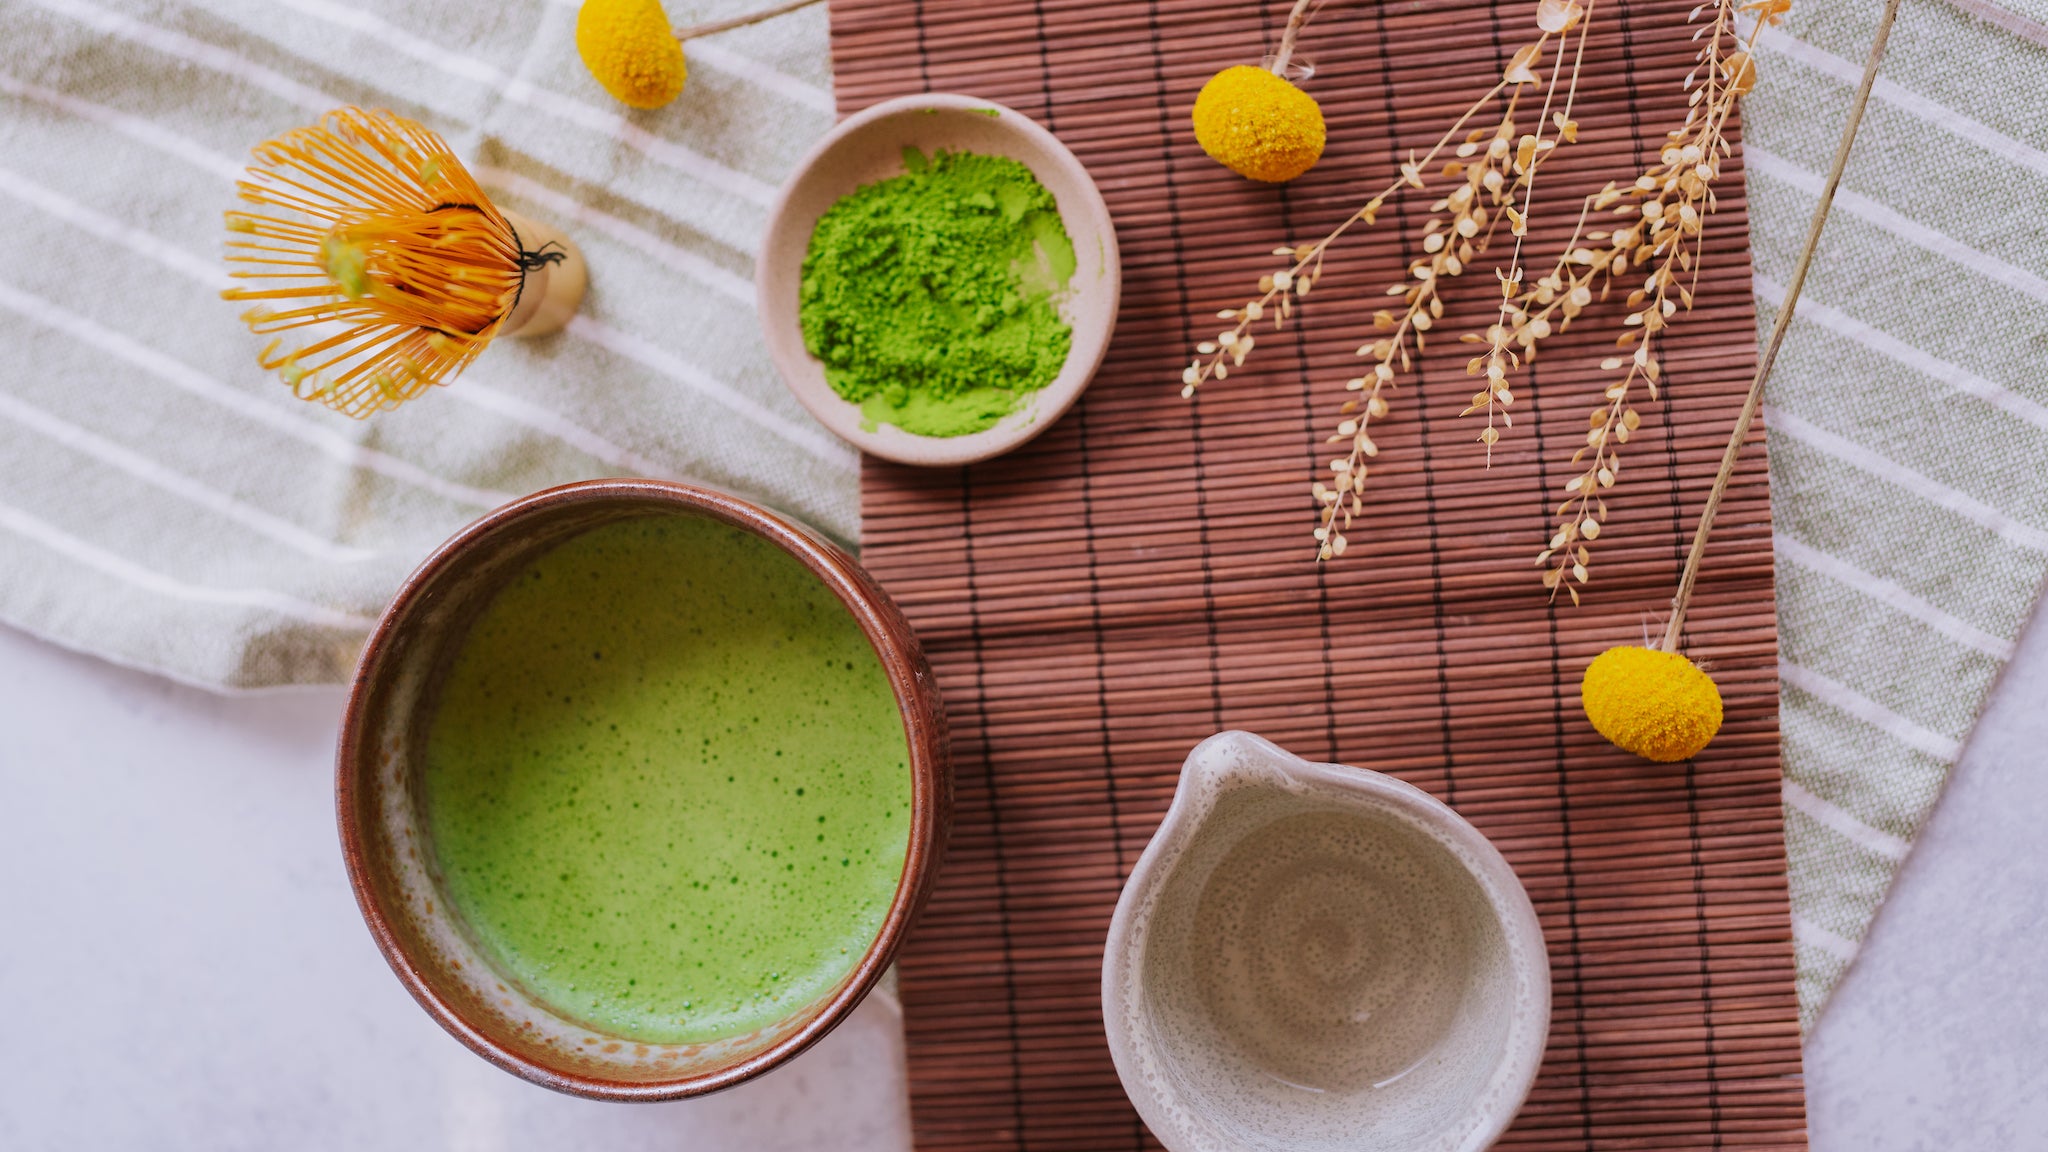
(883, 142)
(640, 787)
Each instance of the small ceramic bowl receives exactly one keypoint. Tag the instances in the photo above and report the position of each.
(1313, 958)
(390, 857)
(867, 147)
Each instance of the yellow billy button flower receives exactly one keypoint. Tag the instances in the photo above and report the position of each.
(1658, 705)
(1258, 125)
(631, 48)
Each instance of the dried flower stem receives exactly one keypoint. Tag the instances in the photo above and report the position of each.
(1683, 597)
(1553, 16)
(1670, 200)
(1278, 290)
(1449, 239)
(1296, 21)
(1459, 226)
(731, 22)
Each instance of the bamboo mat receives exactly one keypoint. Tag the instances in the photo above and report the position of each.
(1142, 576)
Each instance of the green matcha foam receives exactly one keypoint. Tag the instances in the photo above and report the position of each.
(668, 785)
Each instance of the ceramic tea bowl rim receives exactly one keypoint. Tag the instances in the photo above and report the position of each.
(887, 632)
(1508, 900)
(774, 292)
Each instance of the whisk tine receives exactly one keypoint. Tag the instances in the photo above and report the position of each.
(401, 269)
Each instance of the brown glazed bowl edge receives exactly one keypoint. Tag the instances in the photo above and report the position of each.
(918, 700)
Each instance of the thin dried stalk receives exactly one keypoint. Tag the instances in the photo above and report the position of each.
(1278, 290)
(1558, 16)
(695, 30)
(1675, 628)
(1665, 211)
(1458, 228)
(1296, 21)
(1459, 225)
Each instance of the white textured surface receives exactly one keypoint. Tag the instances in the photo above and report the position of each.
(1938, 1037)
(183, 967)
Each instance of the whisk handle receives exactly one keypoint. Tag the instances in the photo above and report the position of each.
(555, 279)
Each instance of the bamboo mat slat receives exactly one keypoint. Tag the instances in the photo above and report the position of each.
(1141, 576)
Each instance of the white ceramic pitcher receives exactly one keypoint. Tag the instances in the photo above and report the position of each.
(1311, 957)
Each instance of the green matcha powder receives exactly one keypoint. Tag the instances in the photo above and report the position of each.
(931, 297)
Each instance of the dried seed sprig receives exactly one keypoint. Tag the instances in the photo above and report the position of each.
(1459, 226)
(1559, 17)
(1666, 208)
(1279, 289)
(1675, 628)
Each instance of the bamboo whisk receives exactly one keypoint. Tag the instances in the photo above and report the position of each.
(379, 267)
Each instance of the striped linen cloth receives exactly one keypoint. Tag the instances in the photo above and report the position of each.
(166, 505)
(1908, 420)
